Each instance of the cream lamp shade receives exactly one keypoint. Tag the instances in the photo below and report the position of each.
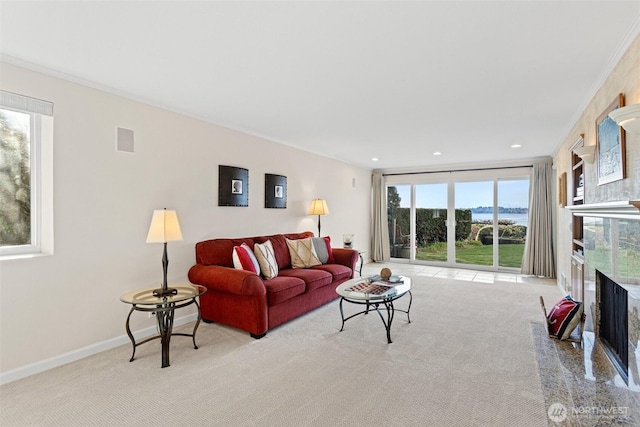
(318, 207)
(164, 227)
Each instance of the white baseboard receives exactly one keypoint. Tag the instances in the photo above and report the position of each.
(63, 359)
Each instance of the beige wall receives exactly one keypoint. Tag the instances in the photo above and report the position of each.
(52, 307)
(624, 78)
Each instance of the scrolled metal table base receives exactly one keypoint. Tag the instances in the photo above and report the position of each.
(164, 313)
(388, 305)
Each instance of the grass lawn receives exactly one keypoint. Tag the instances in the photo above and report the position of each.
(626, 259)
(509, 255)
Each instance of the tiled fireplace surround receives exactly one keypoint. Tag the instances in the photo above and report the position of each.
(612, 246)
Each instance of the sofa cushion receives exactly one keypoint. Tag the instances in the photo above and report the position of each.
(303, 253)
(337, 271)
(282, 288)
(245, 259)
(296, 236)
(266, 259)
(280, 249)
(219, 251)
(323, 249)
(312, 278)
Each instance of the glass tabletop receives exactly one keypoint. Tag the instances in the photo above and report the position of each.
(146, 297)
(370, 288)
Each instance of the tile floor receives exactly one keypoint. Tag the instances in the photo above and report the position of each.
(455, 273)
(580, 386)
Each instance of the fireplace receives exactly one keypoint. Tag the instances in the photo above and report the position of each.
(611, 261)
(613, 328)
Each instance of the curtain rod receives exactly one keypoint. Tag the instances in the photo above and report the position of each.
(458, 170)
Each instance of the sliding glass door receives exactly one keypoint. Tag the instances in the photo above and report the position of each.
(473, 223)
(399, 217)
(431, 222)
(513, 215)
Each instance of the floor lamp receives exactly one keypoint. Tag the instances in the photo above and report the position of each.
(318, 207)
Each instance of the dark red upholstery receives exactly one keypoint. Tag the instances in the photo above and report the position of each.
(246, 301)
(337, 271)
(281, 288)
(218, 251)
(312, 278)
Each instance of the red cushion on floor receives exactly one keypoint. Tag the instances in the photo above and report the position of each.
(564, 317)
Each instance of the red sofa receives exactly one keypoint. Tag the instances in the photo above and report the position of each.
(246, 301)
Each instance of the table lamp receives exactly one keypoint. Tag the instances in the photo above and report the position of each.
(164, 228)
(318, 207)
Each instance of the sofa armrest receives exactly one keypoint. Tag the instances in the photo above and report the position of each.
(346, 257)
(226, 279)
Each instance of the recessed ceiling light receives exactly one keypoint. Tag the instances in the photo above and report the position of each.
(374, 159)
(437, 153)
(516, 146)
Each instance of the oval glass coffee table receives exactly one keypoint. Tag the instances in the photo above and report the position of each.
(373, 292)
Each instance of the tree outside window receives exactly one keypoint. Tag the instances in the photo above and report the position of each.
(15, 178)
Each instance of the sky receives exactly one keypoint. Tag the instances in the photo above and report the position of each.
(511, 194)
(18, 121)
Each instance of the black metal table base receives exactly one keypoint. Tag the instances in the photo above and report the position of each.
(388, 306)
(164, 315)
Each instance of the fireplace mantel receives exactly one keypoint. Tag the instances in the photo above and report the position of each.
(626, 209)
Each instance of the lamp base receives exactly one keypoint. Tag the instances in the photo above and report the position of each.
(164, 292)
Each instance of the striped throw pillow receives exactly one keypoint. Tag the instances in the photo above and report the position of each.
(245, 259)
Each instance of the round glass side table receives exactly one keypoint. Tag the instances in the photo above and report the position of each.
(163, 308)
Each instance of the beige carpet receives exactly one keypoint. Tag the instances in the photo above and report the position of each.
(466, 359)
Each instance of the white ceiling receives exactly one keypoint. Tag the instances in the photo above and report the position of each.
(349, 80)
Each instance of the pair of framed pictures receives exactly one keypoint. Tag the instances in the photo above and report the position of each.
(233, 188)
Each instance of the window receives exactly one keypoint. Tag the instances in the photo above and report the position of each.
(26, 126)
(455, 218)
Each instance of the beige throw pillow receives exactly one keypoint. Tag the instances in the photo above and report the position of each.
(266, 259)
(302, 252)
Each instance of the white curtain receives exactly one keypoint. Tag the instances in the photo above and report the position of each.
(539, 258)
(380, 235)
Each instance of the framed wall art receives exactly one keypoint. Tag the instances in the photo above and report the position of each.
(562, 189)
(610, 147)
(233, 186)
(275, 191)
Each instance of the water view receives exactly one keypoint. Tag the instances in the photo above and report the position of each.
(473, 207)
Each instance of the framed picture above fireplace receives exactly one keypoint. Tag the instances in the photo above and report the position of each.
(610, 147)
